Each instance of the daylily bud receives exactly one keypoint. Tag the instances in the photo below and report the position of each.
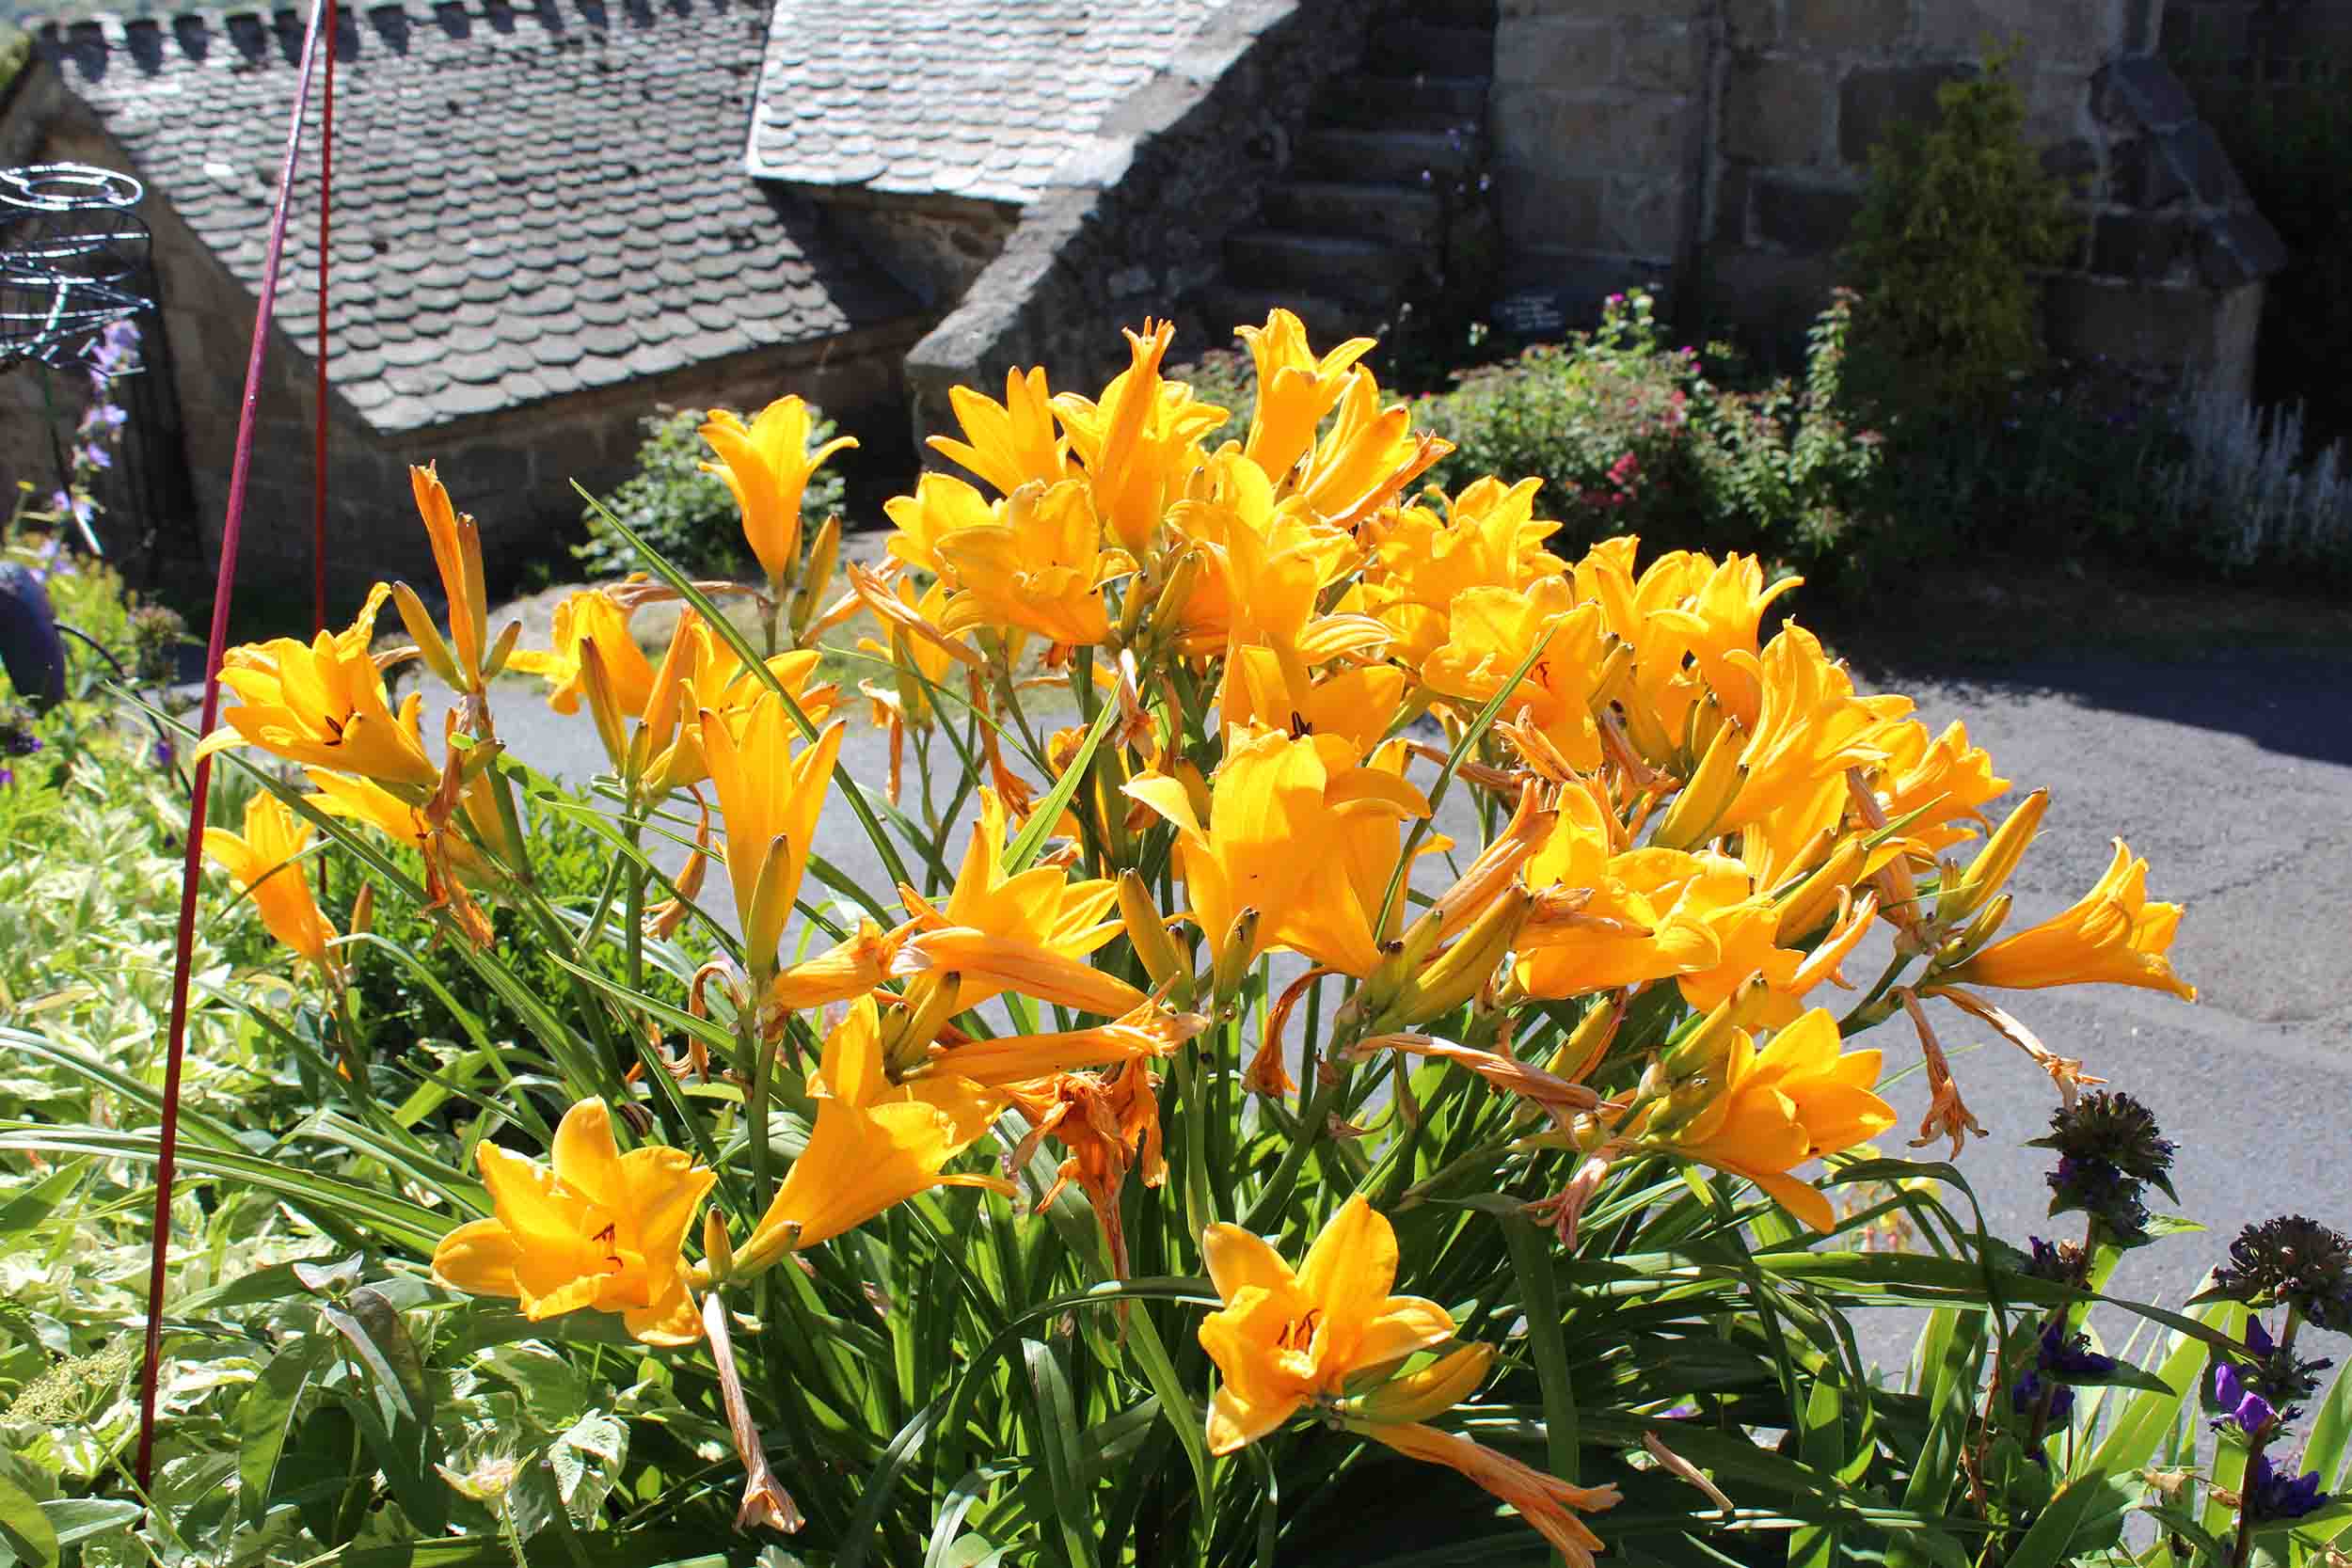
(718, 1250)
(1995, 861)
(909, 1028)
(1705, 1047)
(502, 650)
(822, 553)
(1615, 672)
(1982, 930)
(363, 910)
(1701, 725)
(1589, 1041)
(427, 636)
(1153, 945)
(1168, 613)
(1466, 966)
(1130, 614)
(1709, 793)
(1815, 899)
(1431, 1391)
(1234, 958)
(1385, 985)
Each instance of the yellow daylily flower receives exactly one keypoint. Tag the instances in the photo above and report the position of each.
(1941, 784)
(1358, 704)
(592, 1229)
(1369, 456)
(1748, 936)
(1010, 442)
(941, 505)
(1284, 1341)
(1489, 537)
(1606, 919)
(1148, 1031)
(770, 798)
(875, 1144)
(1810, 727)
(1773, 1109)
(1295, 388)
(1302, 830)
(1492, 632)
(260, 862)
(1718, 616)
(590, 618)
(1141, 441)
(767, 464)
(413, 824)
(323, 704)
(1041, 569)
(2111, 936)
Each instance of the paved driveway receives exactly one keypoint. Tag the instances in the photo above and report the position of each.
(2233, 776)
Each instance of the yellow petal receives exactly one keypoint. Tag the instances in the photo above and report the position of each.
(1349, 1269)
(1237, 1259)
(478, 1257)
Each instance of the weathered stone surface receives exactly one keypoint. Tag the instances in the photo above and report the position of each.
(2050, 31)
(2143, 90)
(1842, 25)
(2239, 250)
(1777, 112)
(2142, 246)
(1662, 56)
(1873, 101)
(1623, 134)
(1643, 217)
(1595, 10)
(1549, 211)
(1752, 23)
(1802, 217)
(2137, 323)
(1562, 54)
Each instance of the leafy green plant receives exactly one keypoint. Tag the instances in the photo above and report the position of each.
(1956, 217)
(685, 514)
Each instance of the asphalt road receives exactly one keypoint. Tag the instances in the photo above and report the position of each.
(2233, 776)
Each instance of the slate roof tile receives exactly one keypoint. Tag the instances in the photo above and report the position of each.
(968, 97)
(526, 198)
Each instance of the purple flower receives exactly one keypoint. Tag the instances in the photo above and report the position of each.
(77, 505)
(102, 415)
(92, 456)
(164, 752)
(8, 777)
(2241, 1407)
(2270, 1495)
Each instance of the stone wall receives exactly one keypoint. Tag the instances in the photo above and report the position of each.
(936, 247)
(2256, 43)
(1132, 220)
(512, 468)
(1600, 116)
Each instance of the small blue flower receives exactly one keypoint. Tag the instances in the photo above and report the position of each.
(92, 456)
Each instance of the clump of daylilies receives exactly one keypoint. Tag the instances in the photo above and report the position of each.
(1262, 669)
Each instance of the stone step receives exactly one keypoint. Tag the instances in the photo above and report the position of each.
(1394, 157)
(1413, 48)
(1359, 272)
(1400, 215)
(1457, 13)
(1329, 321)
(1404, 102)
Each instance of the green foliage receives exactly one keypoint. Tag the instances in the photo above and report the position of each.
(687, 514)
(1630, 436)
(1955, 217)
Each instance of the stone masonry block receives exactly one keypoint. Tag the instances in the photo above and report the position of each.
(1662, 56)
(1777, 112)
(1545, 211)
(2051, 32)
(1842, 25)
(2239, 250)
(1555, 52)
(1752, 23)
(1599, 10)
(1804, 219)
(1642, 215)
(2141, 89)
(1648, 134)
(2141, 246)
(1873, 101)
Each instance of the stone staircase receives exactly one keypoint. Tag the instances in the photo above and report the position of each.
(1358, 219)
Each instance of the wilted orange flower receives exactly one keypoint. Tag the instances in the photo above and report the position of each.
(1110, 1124)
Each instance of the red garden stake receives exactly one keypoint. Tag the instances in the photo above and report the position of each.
(191, 866)
(318, 436)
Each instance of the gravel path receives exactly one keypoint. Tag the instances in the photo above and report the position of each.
(2233, 776)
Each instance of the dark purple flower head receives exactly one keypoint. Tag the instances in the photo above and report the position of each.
(2271, 1494)
(2292, 1262)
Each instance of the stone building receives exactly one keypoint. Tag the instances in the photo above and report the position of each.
(551, 219)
